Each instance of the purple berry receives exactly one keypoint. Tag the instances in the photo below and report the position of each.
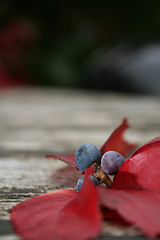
(80, 181)
(111, 162)
(86, 155)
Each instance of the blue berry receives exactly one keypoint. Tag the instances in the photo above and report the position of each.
(80, 181)
(86, 155)
(111, 162)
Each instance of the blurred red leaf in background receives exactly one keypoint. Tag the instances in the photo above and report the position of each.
(16, 38)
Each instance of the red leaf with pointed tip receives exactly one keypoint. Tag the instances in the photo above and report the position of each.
(81, 218)
(142, 169)
(69, 159)
(137, 206)
(36, 218)
(116, 141)
(63, 214)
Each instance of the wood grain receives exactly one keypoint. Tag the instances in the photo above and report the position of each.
(35, 122)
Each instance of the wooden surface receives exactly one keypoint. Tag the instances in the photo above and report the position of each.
(35, 122)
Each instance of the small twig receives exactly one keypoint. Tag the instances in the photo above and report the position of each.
(102, 176)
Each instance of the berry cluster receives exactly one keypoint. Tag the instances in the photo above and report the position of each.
(88, 155)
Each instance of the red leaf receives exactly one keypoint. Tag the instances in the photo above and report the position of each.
(139, 207)
(142, 169)
(69, 159)
(157, 139)
(81, 218)
(36, 218)
(116, 142)
(64, 214)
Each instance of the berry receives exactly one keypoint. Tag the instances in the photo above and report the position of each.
(80, 181)
(111, 162)
(86, 155)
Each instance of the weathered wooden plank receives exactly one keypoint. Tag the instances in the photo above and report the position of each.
(35, 122)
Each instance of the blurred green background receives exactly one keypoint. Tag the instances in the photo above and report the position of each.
(52, 43)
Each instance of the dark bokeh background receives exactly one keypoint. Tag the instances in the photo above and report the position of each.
(112, 45)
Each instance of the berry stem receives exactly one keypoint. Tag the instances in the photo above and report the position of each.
(101, 175)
